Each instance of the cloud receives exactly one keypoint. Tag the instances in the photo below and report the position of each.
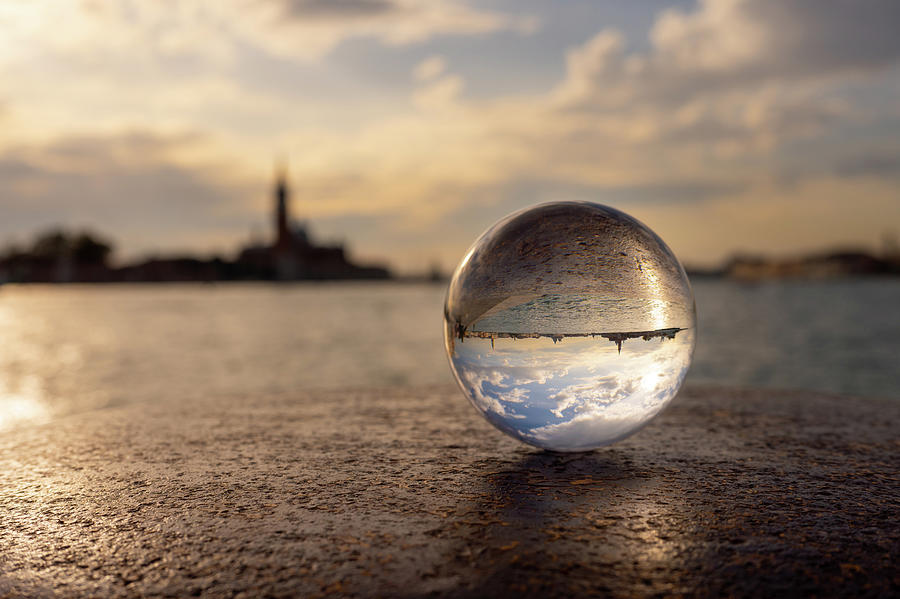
(15, 169)
(762, 39)
(337, 9)
(439, 94)
(582, 432)
(773, 218)
(884, 163)
(734, 70)
(596, 392)
(145, 187)
(146, 30)
(610, 407)
(430, 68)
(666, 125)
(691, 134)
(309, 29)
(567, 395)
(694, 120)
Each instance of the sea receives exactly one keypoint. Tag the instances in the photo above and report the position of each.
(72, 349)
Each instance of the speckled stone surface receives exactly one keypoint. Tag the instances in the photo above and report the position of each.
(409, 493)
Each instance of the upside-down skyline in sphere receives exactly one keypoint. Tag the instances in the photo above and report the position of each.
(767, 126)
(569, 325)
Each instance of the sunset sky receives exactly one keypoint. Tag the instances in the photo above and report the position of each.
(410, 126)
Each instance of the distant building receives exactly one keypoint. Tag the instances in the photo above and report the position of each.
(292, 256)
(57, 256)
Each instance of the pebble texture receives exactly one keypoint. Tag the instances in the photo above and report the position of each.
(409, 493)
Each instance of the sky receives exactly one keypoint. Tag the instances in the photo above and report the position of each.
(410, 126)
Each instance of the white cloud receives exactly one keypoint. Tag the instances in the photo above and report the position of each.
(104, 30)
(713, 110)
(744, 72)
(761, 39)
(440, 94)
(585, 389)
(430, 68)
(309, 29)
(582, 431)
(594, 392)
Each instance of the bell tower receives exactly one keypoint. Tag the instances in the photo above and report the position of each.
(282, 218)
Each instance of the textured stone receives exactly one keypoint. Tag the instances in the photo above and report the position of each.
(408, 492)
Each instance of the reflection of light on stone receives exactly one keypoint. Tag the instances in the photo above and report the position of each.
(17, 408)
(657, 547)
(24, 401)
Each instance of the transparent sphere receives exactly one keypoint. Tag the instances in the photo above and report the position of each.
(569, 325)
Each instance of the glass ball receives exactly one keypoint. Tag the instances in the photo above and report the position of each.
(569, 325)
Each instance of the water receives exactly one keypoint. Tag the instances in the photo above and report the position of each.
(838, 336)
(67, 349)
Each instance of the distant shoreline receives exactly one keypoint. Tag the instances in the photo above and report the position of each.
(827, 265)
(63, 257)
(695, 278)
(223, 283)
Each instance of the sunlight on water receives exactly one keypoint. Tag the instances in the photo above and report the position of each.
(75, 348)
(68, 349)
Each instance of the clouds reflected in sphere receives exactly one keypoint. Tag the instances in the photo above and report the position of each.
(569, 325)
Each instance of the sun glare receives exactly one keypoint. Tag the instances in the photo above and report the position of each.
(22, 407)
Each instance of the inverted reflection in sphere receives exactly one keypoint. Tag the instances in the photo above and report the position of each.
(569, 325)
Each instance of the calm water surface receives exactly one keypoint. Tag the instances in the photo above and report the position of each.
(78, 348)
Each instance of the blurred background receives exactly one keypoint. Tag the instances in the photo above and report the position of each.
(263, 196)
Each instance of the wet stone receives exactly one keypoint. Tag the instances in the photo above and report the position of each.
(409, 493)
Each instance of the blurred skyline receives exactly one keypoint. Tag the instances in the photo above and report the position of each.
(409, 126)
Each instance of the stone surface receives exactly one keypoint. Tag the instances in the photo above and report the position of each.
(408, 493)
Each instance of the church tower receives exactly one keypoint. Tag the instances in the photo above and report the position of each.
(282, 218)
